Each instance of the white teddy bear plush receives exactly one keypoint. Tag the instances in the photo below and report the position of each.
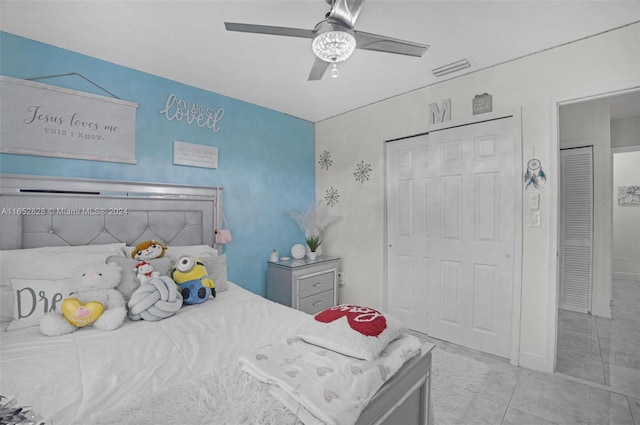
(93, 301)
(145, 272)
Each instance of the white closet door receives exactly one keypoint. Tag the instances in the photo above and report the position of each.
(408, 231)
(576, 226)
(451, 232)
(475, 176)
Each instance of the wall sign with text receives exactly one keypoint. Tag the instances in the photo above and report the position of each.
(192, 113)
(44, 120)
(195, 155)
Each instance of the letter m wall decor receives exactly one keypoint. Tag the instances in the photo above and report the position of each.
(44, 120)
(437, 114)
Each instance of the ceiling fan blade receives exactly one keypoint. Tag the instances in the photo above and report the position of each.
(380, 43)
(318, 69)
(268, 29)
(346, 11)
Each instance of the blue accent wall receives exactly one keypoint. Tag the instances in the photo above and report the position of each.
(266, 158)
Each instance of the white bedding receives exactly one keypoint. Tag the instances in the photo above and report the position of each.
(323, 386)
(70, 377)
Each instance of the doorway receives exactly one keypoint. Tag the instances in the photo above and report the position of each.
(453, 235)
(600, 345)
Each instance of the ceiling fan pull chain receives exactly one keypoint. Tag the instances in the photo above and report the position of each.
(334, 72)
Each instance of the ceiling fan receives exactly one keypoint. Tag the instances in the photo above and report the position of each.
(335, 39)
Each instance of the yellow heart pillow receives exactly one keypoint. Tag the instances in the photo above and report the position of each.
(79, 314)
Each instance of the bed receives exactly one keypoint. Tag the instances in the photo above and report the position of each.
(200, 365)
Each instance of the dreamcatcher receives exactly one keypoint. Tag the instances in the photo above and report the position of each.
(534, 176)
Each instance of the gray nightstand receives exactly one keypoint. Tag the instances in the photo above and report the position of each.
(306, 285)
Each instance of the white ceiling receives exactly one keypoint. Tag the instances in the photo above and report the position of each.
(186, 41)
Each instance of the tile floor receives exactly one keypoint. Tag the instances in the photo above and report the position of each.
(604, 351)
(601, 353)
(515, 396)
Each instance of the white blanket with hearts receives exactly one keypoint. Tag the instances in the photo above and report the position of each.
(321, 386)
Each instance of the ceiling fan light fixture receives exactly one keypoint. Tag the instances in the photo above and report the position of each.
(334, 46)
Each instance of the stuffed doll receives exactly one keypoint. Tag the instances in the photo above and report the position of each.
(145, 272)
(93, 301)
(193, 280)
(148, 250)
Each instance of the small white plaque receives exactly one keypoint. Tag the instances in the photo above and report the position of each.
(482, 104)
(195, 155)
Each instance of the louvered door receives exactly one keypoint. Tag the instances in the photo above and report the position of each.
(576, 246)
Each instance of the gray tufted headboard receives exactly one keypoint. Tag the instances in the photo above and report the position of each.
(49, 211)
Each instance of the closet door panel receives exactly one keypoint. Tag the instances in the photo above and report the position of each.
(576, 229)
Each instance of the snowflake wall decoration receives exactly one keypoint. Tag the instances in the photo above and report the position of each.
(325, 160)
(331, 196)
(362, 172)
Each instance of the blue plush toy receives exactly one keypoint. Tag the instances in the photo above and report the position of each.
(193, 280)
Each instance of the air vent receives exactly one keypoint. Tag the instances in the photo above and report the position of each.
(452, 67)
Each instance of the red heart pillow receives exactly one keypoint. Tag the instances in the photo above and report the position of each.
(355, 331)
(365, 320)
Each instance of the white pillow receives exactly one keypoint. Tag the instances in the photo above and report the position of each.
(217, 270)
(352, 330)
(47, 263)
(34, 298)
(175, 252)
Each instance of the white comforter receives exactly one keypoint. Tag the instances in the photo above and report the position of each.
(322, 386)
(71, 377)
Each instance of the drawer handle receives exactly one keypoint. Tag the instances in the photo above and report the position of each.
(318, 284)
(316, 303)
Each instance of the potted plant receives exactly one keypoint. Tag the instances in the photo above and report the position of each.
(313, 242)
(313, 222)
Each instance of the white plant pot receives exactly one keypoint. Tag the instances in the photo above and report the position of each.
(312, 255)
(318, 250)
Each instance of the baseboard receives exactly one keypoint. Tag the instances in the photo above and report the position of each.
(626, 276)
(601, 310)
(534, 362)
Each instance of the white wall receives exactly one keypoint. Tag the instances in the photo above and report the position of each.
(625, 132)
(589, 124)
(606, 62)
(626, 218)
(625, 139)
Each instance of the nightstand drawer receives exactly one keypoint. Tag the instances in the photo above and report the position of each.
(317, 302)
(309, 285)
(315, 284)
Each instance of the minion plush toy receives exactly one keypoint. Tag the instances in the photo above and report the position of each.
(192, 279)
